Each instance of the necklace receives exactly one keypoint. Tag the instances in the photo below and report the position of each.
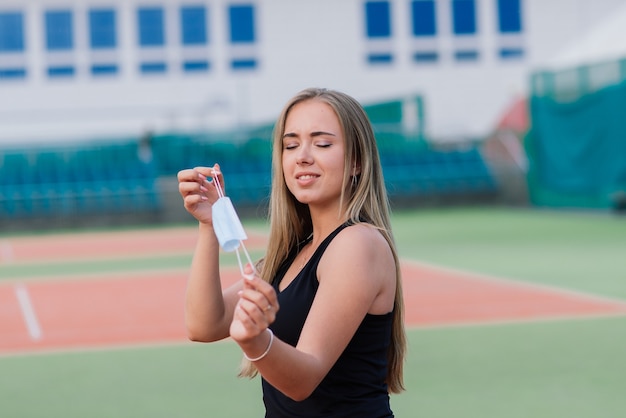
(302, 264)
(304, 258)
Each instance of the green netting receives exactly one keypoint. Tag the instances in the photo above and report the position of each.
(577, 150)
(570, 84)
(388, 112)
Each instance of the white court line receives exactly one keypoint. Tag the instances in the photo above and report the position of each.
(28, 312)
(6, 251)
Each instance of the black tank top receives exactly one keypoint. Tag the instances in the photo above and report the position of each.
(355, 386)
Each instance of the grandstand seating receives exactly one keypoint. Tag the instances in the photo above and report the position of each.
(111, 177)
(75, 181)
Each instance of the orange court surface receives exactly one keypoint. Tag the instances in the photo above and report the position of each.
(106, 310)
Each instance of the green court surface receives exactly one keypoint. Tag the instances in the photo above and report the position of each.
(573, 368)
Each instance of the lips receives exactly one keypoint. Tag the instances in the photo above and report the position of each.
(306, 180)
(306, 176)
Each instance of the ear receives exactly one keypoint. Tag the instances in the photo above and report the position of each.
(356, 169)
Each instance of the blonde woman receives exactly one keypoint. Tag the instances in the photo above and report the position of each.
(323, 324)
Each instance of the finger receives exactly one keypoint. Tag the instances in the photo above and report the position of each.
(259, 285)
(250, 314)
(189, 174)
(249, 273)
(192, 193)
(187, 187)
(257, 298)
(206, 170)
(209, 172)
(266, 308)
(191, 201)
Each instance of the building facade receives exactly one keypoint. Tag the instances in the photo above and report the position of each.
(77, 70)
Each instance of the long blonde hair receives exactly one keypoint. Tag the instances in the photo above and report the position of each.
(290, 220)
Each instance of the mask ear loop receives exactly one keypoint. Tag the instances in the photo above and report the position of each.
(220, 193)
(218, 186)
(246, 276)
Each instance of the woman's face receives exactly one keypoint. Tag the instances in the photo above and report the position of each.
(313, 154)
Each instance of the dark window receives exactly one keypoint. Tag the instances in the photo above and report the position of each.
(59, 30)
(380, 58)
(193, 25)
(104, 69)
(11, 32)
(153, 67)
(426, 56)
(61, 71)
(466, 55)
(378, 19)
(464, 17)
(102, 28)
(151, 26)
(12, 73)
(196, 66)
(509, 16)
(423, 18)
(241, 19)
(243, 64)
(511, 53)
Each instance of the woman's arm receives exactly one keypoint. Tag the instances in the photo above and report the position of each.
(356, 276)
(208, 309)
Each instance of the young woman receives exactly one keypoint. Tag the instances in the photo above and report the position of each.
(323, 321)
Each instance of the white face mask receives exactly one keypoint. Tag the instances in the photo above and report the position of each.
(227, 226)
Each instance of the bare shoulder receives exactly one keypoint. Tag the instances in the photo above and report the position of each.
(359, 245)
(361, 234)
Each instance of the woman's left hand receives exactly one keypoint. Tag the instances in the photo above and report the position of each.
(255, 311)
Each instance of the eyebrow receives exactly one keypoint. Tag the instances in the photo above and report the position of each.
(313, 134)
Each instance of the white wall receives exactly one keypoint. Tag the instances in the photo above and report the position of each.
(301, 43)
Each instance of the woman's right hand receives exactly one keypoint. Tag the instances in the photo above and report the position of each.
(199, 193)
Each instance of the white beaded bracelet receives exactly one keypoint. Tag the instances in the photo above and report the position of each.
(267, 350)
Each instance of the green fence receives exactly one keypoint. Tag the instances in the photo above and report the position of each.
(577, 149)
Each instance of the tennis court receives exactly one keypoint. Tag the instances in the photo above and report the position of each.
(504, 320)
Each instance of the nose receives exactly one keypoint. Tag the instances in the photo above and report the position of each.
(304, 155)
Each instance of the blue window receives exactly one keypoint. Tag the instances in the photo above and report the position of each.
(151, 26)
(466, 55)
(382, 58)
(156, 67)
(241, 19)
(6, 73)
(104, 69)
(193, 25)
(59, 30)
(243, 64)
(192, 66)
(102, 31)
(11, 32)
(509, 16)
(378, 19)
(511, 53)
(464, 17)
(426, 56)
(423, 18)
(61, 71)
